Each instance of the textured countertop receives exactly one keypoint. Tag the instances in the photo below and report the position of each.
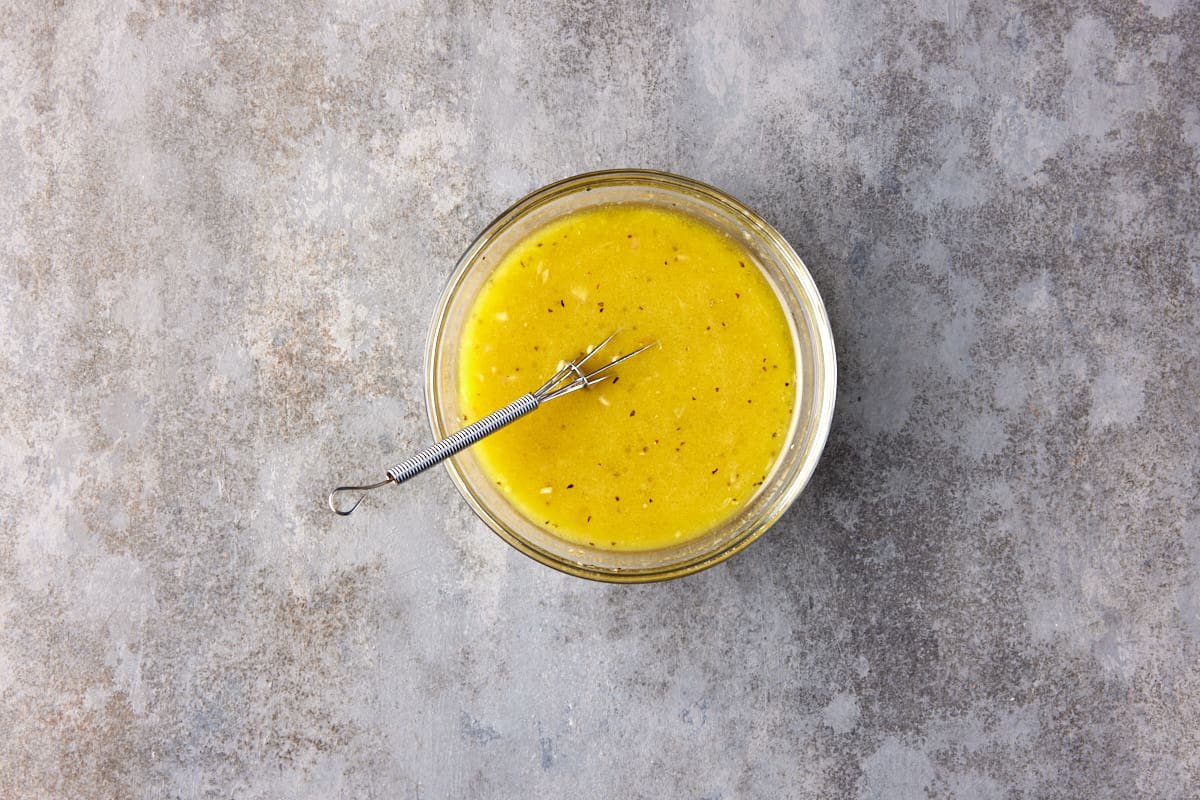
(222, 235)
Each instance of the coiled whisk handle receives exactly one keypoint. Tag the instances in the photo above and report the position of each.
(439, 452)
(570, 377)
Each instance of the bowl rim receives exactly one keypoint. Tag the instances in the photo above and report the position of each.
(823, 399)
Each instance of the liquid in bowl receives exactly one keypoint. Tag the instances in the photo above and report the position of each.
(702, 442)
(688, 432)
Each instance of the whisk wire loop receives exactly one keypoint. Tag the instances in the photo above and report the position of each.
(462, 439)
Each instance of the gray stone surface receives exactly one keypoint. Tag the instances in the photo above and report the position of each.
(222, 232)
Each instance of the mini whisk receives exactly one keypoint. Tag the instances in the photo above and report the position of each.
(569, 378)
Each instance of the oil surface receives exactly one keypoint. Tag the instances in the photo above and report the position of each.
(688, 431)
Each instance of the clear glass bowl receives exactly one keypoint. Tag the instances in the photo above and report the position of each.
(815, 365)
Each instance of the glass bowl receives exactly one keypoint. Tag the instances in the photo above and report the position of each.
(816, 370)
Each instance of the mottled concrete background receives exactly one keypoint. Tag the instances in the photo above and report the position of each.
(223, 229)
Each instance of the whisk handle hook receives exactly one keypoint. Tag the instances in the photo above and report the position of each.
(436, 453)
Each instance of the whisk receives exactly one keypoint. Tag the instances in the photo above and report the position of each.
(570, 378)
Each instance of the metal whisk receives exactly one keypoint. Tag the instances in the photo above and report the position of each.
(569, 378)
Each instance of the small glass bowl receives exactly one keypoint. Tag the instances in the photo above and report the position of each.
(815, 366)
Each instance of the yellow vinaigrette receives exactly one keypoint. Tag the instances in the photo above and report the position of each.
(687, 433)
